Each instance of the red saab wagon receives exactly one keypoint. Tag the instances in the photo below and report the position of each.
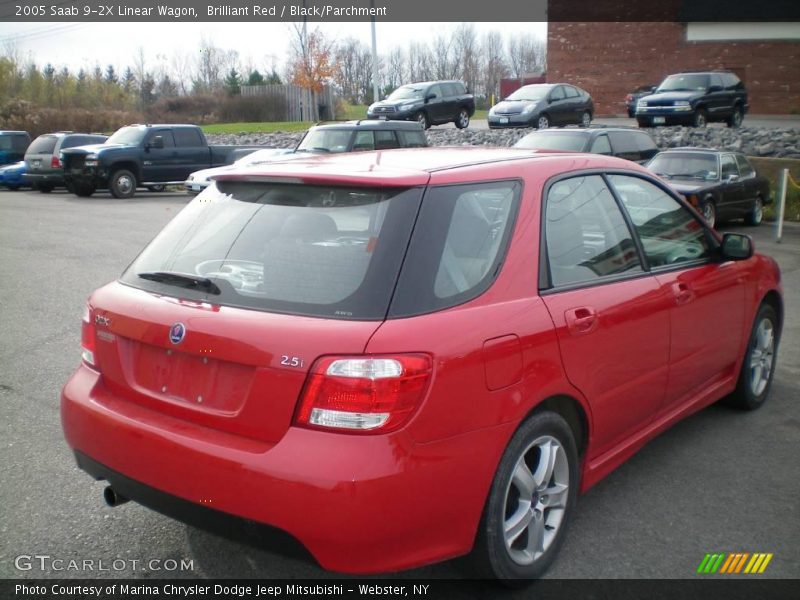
(401, 357)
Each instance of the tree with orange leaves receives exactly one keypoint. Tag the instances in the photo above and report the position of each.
(311, 66)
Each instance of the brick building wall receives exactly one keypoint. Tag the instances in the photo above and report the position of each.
(610, 59)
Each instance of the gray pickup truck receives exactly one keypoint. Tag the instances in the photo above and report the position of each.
(149, 156)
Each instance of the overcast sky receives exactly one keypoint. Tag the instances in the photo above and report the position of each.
(79, 45)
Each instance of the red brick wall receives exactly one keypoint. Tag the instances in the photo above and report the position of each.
(610, 59)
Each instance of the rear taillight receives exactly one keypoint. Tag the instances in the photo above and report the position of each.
(55, 162)
(88, 344)
(363, 394)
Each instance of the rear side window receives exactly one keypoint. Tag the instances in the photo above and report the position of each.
(458, 244)
(669, 232)
(557, 93)
(587, 237)
(571, 92)
(44, 144)
(385, 140)
(624, 145)
(187, 138)
(166, 135)
(647, 147)
(600, 145)
(321, 251)
(727, 166)
(745, 168)
(412, 139)
(365, 140)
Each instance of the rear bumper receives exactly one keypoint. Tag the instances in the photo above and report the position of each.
(48, 178)
(359, 504)
(520, 120)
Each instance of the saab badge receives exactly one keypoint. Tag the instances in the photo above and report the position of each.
(177, 332)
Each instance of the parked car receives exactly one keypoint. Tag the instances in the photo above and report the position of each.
(200, 180)
(633, 98)
(12, 146)
(331, 138)
(542, 106)
(12, 176)
(428, 103)
(721, 185)
(401, 357)
(630, 144)
(43, 157)
(150, 156)
(695, 99)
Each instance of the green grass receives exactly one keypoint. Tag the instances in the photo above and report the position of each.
(256, 127)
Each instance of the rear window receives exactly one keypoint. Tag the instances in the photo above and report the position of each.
(412, 139)
(44, 144)
(321, 251)
(573, 142)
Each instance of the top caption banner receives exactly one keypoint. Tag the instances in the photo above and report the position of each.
(394, 10)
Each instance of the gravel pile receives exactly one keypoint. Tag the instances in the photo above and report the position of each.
(783, 143)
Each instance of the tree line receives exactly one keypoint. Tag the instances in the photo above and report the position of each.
(201, 85)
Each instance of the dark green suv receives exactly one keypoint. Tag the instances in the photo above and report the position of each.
(694, 99)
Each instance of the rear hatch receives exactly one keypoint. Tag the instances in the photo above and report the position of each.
(39, 156)
(220, 318)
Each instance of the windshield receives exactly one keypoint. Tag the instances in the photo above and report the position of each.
(325, 140)
(533, 93)
(127, 136)
(684, 83)
(323, 251)
(685, 166)
(407, 92)
(573, 142)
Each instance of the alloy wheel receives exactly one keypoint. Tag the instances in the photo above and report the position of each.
(761, 356)
(535, 500)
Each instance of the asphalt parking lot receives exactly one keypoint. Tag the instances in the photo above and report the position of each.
(721, 481)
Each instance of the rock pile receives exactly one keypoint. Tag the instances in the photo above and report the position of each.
(783, 143)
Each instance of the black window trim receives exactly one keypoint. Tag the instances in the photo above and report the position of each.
(544, 278)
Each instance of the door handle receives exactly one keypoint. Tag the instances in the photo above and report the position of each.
(581, 321)
(682, 292)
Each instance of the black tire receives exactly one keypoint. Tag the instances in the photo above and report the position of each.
(643, 123)
(543, 121)
(756, 214)
(84, 191)
(709, 211)
(122, 184)
(422, 118)
(700, 118)
(44, 188)
(735, 120)
(586, 119)
(462, 119)
(748, 395)
(156, 188)
(491, 555)
(12, 188)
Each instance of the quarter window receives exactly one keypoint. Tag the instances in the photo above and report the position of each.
(601, 145)
(587, 237)
(745, 168)
(728, 166)
(669, 232)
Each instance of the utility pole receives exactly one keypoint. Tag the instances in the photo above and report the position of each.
(375, 92)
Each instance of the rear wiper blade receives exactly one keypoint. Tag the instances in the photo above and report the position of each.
(185, 280)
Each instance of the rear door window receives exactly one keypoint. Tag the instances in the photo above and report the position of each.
(745, 168)
(728, 166)
(457, 247)
(385, 140)
(187, 138)
(624, 145)
(320, 251)
(412, 139)
(586, 234)
(364, 141)
(600, 145)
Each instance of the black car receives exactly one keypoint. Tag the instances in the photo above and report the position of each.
(543, 105)
(631, 144)
(694, 99)
(428, 103)
(633, 98)
(721, 185)
(42, 159)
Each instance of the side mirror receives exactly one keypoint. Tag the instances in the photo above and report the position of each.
(157, 142)
(714, 88)
(653, 89)
(731, 178)
(736, 246)
(429, 97)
